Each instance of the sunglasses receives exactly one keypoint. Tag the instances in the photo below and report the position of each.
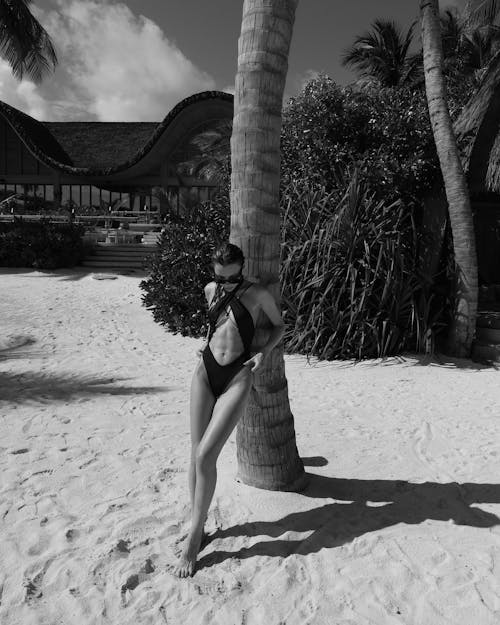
(234, 279)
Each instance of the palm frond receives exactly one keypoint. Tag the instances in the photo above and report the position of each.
(24, 43)
(481, 13)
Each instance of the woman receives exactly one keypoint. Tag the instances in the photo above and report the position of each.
(222, 380)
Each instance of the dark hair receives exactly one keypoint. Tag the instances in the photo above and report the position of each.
(227, 253)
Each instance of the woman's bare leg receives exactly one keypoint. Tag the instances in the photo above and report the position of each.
(201, 405)
(226, 413)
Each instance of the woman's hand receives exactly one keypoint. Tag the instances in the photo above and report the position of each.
(255, 361)
(200, 350)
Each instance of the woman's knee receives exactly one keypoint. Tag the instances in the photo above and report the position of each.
(204, 458)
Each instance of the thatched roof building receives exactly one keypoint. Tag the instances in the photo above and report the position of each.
(125, 157)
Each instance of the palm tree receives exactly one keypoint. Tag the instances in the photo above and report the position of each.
(266, 448)
(466, 288)
(383, 55)
(470, 40)
(24, 43)
(211, 157)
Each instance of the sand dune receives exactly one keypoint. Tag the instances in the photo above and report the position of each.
(400, 523)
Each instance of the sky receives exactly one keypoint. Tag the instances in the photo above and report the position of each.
(134, 60)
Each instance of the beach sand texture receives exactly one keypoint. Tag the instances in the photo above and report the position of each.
(400, 524)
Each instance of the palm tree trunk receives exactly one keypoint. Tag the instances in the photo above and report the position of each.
(463, 326)
(266, 448)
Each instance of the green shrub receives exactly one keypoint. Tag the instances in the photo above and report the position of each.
(182, 266)
(385, 131)
(349, 278)
(355, 166)
(41, 244)
(350, 284)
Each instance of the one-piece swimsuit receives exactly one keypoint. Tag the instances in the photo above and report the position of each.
(218, 375)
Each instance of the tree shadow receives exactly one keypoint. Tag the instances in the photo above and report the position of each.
(361, 506)
(34, 386)
(14, 343)
(429, 360)
(408, 359)
(314, 461)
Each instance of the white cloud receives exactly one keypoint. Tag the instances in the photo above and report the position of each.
(297, 82)
(23, 95)
(113, 66)
(229, 89)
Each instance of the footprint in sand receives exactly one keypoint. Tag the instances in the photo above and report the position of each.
(71, 535)
(141, 531)
(33, 591)
(137, 578)
(33, 584)
(100, 572)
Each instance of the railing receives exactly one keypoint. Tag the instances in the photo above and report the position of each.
(107, 218)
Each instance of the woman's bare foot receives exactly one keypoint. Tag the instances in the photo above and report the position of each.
(187, 561)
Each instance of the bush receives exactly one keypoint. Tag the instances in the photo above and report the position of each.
(355, 166)
(182, 266)
(385, 131)
(41, 244)
(350, 284)
(349, 277)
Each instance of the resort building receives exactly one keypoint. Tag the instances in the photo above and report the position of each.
(89, 168)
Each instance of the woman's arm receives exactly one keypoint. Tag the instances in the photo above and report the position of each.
(269, 306)
(209, 292)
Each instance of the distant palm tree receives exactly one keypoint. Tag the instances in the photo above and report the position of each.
(24, 43)
(470, 40)
(459, 209)
(212, 155)
(383, 55)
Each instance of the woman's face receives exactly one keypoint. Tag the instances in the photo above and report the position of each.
(232, 271)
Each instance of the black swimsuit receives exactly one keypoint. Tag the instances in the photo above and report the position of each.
(219, 376)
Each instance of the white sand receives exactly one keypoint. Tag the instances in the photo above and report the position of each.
(398, 526)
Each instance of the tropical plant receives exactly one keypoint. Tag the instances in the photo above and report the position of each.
(386, 130)
(180, 269)
(211, 156)
(351, 287)
(41, 244)
(382, 55)
(466, 279)
(24, 43)
(469, 42)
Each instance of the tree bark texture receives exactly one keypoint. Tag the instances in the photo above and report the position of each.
(266, 448)
(463, 326)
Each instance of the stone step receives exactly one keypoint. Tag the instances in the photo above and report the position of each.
(132, 247)
(120, 254)
(485, 352)
(126, 256)
(123, 264)
(488, 335)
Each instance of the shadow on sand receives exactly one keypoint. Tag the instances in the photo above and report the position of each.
(73, 273)
(36, 386)
(9, 351)
(335, 524)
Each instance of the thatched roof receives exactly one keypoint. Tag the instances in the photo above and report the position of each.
(37, 138)
(102, 149)
(101, 144)
(478, 133)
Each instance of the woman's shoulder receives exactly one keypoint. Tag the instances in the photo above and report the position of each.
(254, 287)
(209, 290)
